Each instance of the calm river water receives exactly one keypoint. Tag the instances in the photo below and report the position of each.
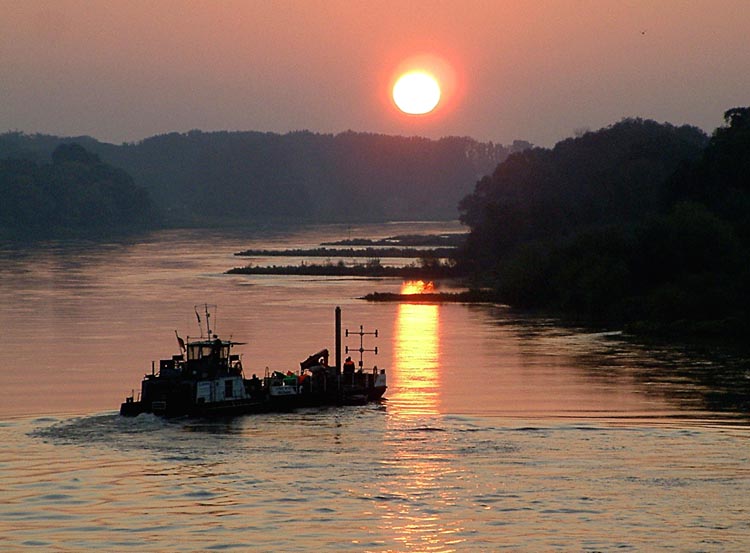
(500, 432)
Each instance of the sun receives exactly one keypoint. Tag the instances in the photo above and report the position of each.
(416, 93)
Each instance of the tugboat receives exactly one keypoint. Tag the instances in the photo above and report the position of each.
(206, 379)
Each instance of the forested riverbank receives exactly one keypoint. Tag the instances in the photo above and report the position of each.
(640, 224)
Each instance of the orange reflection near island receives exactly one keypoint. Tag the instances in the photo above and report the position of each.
(415, 380)
(417, 287)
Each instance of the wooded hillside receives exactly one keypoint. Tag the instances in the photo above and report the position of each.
(231, 177)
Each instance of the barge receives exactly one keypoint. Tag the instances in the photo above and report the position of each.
(206, 379)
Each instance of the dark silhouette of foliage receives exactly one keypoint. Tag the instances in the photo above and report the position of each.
(614, 175)
(720, 177)
(638, 223)
(231, 177)
(76, 191)
(372, 268)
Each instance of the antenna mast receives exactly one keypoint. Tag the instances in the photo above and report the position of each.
(207, 308)
(361, 333)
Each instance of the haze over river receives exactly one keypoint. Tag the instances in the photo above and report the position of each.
(500, 431)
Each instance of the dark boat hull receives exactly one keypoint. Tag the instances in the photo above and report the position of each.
(251, 406)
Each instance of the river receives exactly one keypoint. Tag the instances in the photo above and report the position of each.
(500, 431)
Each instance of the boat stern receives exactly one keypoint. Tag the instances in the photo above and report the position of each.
(131, 408)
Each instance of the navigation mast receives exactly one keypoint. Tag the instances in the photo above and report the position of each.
(361, 333)
(207, 309)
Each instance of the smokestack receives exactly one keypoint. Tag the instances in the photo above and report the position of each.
(338, 340)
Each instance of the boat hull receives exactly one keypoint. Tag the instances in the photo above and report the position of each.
(251, 406)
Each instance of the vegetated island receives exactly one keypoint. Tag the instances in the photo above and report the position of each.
(448, 240)
(369, 252)
(467, 296)
(435, 262)
(372, 269)
(405, 246)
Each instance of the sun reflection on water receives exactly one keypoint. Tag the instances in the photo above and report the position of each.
(415, 385)
(423, 461)
(411, 287)
(419, 490)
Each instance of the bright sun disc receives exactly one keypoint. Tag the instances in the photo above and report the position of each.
(416, 93)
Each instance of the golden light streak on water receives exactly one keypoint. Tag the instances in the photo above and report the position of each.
(426, 466)
(421, 467)
(415, 379)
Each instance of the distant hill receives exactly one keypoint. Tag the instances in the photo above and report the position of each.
(231, 177)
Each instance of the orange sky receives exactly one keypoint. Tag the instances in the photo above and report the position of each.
(125, 70)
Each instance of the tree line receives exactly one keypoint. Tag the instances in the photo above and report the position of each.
(75, 191)
(231, 178)
(639, 223)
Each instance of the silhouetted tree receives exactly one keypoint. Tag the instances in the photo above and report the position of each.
(75, 191)
(639, 223)
(614, 175)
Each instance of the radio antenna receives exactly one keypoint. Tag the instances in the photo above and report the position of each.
(361, 333)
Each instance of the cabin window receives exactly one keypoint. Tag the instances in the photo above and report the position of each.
(205, 351)
(228, 388)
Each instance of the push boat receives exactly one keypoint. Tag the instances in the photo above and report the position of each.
(206, 379)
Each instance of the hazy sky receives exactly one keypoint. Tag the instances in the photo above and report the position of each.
(534, 70)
